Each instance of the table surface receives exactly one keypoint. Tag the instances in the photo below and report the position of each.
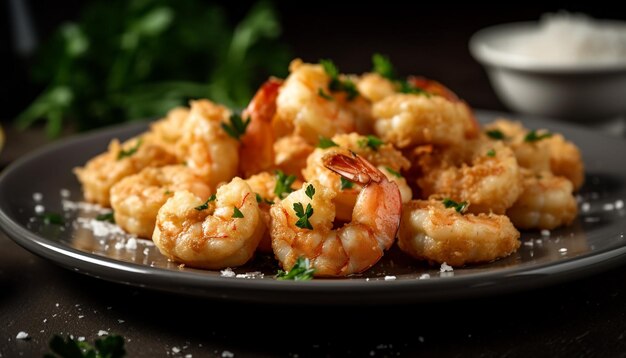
(581, 318)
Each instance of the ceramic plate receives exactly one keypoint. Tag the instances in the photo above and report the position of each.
(43, 182)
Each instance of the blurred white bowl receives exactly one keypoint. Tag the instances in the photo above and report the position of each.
(585, 91)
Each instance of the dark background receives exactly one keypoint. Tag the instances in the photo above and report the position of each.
(425, 38)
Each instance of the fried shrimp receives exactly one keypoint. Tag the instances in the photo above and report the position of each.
(543, 152)
(407, 120)
(546, 202)
(484, 173)
(257, 144)
(306, 107)
(291, 153)
(120, 160)
(430, 231)
(218, 233)
(205, 146)
(375, 87)
(388, 160)
(302, 223)
(170, 129)
(136, 199)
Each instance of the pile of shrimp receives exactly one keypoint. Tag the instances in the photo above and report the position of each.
(335, 169)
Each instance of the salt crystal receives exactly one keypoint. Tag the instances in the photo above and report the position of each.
(619, 204)
(81, 316)
(21, 335)
(563, 250)
(131, 244)
(445, 268)
(65, 193)
(585, 207)
(37, 196)
(608, 207)
(81, 339)
(45, 320)
(250, 275)
(175, 349)
(421, 339)
(424, 276)
(102, 333)
(39, 209)
(120, 321)
(227, 354)
(146, 251)
(119, 245)
(188, 356)
(545, 233)
(390, 278)
(228, 272)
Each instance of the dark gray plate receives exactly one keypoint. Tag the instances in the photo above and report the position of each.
(594, 243)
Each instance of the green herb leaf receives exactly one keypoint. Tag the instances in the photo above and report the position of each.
(330, 68)
(237, 126)
(237, 213)
(370, 141)
(491, 153)
(303, 215)
(495, 134)
(533, 136)
(326, 143)
(324, 95)
(53, 218)
(406, 87)
(206, 203)
(301, 271)
(168, 192)
(111, 346)
(383, 66)
(336, 84)
(459, 207)
(260, 199)
(345, 183)
(283, 184)
(106, 217)
(310, 191)
(393, 172)
(127, 153)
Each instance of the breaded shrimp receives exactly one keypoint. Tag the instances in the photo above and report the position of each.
(136, 199)
(120, 160)
(482, 172)
(215, 234)
(291, 153)
(545, 203)
(169, 130)
(205, 146)
(430, 231)
(302, 223)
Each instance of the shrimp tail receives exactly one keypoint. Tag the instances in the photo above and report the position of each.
(354, 168)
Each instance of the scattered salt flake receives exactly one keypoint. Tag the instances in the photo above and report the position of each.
(372, 353)
(175, 349)
(102, 333)
(529, 243)
(545, 233)
(131, 244)
(146, 251)
(100, 228)
(421, 339)
(445, 268)
(39, 209)
(367, 279)
(619, 204)
(81, 316)
(605, 207)
(37, 196)
(21, 335)
(81, 339)
(45, 320)
(591, 219)
(188, 356)
(119, 245)
(228, 272)
(424, 276)
(181, 266)
(390, 278)
(562, 250)
(227, 354)
(120, 321)
(585, 207)
(250, 275)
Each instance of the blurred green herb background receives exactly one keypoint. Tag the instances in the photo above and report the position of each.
(136, 59)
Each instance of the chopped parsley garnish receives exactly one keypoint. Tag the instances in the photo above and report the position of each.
(324, 95)
(303, 215)
(111, 346)
(310, 191)
(533, 136)
(127, 153)
(283, 184)
(167, 192)
(491, 153)
(237, 213)
(260, 199)
(383, 66)
(106, 217)
(370, 141)
(326, 143)
(495, 134)
(406, 87)
(393, 172)
(459, 207)
(345, 183)
(237, 126)
(301, 271)
(336, 84)
(53, 218)
(206, 203)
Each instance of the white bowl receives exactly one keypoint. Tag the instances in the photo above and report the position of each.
(572, 91)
